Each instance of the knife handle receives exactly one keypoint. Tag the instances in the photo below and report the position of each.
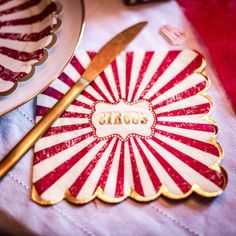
(41, 127)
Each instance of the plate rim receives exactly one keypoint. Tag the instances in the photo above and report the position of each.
(60, 71)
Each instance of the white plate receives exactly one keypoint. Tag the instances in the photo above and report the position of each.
(68, 36)
(27, 30)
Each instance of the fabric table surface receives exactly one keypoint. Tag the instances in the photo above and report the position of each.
(192, 216)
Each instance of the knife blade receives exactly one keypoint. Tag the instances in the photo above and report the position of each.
(102, 59)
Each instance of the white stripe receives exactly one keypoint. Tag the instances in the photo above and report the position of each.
(198, 118)
(110, 187)
(5, 85)
(44, 167)
(164, 177)
(78, 109)
(182, 104)
(83, 58)
(182, 60)
(103, 87)
(190, 175)
(128, 175)
(184, 85)
(199, 155)
(111, 79)
(71, 72)
(15, 65)
(94, 93)
(69, 121)
(89, 186)
(137, 64)
(49, 141)
(57, 190)
(60, 86)
(65, 121)
(146, 182)
(152, 68)
(24, 46)
(47, 101)
(121, 68)
(30, 28)
(193, 134)
(10, 4)
(85, 100)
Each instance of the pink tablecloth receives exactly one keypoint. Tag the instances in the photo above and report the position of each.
(193, 216)
(215, 21)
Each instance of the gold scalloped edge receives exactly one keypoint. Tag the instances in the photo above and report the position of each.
(132, 194)
(52, 42)
(163, 191)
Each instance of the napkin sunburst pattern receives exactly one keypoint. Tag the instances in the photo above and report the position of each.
(111, 155)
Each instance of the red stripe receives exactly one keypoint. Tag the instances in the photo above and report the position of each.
(52, 92)
(53, 150)
(11, 76)
(191, 126)
(68, 114)
(176, 177)
(77, 65)
(20, 7)
(100, 92)
(49, 179)
(82, 178)
(212, 175)
(194, 110)
(196, 63)
(107, 84)
(129, 63)
(136, 177)
(93, 84)
(32, 19)
(4, 1)
(65, 128)
(41, 111)
(116, 77)
(103, 178)
(89, 96)
(91, 54)
(32, 37)
(183, 95)
(66, 79)
(151, 172)
(22, 56)
(120, 175)
(170, 57)
(203, 146)
(81, 104)
(145, 64)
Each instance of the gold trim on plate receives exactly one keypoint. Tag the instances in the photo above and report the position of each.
(63, 67)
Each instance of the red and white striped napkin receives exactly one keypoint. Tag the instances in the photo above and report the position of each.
(141, 129)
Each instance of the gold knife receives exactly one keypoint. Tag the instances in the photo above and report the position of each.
(102, 59)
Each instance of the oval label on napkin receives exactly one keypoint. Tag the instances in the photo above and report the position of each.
(123, 119)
